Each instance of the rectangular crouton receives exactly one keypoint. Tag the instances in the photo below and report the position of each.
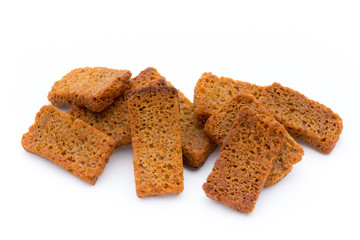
(246, 159)
(196, 145)
(220, 124)
(155, 130)
(70, 143)
(303, 118)
(92, 88)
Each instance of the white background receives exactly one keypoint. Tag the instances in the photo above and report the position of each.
(310, 46)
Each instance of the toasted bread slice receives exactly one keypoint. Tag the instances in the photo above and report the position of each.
(246, 159)
(196, 145)
(304, 119)
(92, 88)
(70, 143)
(155, 130)
(220, 123)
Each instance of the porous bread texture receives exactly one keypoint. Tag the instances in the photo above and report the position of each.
(304, 119)
(114, 120)
(196, 145)
(211, 92)
(155, 129)
(246, 159)
(220, 123)
(70, 143)
(93, 88)
(146, 78)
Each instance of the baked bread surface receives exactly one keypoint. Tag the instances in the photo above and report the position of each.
(196, 145)
(246, 159)
(303, 118)
(93, 88)
(156, 141)
(114, 120)
(220, 123)
(70, 143)
(211, 92)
